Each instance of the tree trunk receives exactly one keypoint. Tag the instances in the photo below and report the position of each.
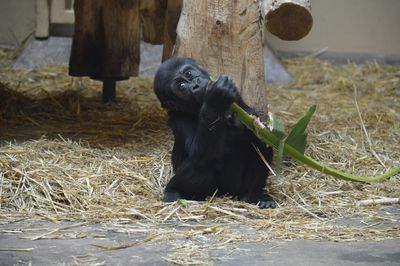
(171, 21)
(152, 16)
(225, 37)
(106, 42)
(287, 19)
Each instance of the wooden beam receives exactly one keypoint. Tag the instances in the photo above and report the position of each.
(287, 19)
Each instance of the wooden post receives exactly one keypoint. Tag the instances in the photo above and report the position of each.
(225, 37)
(287, 19)
(109, 90)
(42, 19)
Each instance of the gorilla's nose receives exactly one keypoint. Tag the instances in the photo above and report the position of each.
(196, 84)
(201, 83)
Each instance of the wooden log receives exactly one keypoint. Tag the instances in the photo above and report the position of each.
(171, 21)
(287, 19)
(106, 42)
(152, 16)
(225, 37)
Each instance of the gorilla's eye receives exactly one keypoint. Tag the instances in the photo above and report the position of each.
(189, 74)
(181, 85)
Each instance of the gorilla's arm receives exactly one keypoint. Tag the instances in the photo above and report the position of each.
(203, 136)
(184, 128)
(195, 150)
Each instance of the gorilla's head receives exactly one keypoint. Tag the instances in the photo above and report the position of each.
(180, 84)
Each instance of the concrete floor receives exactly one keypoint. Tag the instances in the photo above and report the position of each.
(77, 246)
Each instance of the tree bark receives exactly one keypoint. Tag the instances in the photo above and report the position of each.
(171, 21)
(106, 42)
(152, 16)
(225, 37)
(287, 19)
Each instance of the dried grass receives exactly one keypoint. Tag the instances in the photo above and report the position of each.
(65, 156)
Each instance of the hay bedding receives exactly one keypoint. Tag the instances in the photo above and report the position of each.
(65, 156)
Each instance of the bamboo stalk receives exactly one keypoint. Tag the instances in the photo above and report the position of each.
(252, 123)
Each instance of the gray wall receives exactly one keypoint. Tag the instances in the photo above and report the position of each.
(348, 26)
(344, 26)
(17, 20)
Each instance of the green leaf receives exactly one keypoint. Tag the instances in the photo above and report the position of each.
(297, 137)
(266, 136)
(182, 202)
(276, 126)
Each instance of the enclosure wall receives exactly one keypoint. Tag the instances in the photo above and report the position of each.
(348, 26)
(17, 21)
(344, 26)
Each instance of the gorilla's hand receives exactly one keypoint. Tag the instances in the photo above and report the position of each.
(222, 94)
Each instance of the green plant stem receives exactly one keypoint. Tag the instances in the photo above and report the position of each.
(266, 136)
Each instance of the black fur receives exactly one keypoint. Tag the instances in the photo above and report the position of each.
(213, 151)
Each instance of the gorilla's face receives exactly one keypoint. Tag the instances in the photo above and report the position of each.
(190, 82)
(181, 84)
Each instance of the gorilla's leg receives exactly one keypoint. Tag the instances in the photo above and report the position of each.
(190, 182)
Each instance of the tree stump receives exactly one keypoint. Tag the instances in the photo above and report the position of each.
(106, 42)
(225, 38)
(222, 35)
(171, 21)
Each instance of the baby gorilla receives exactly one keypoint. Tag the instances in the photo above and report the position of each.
(213, 150)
